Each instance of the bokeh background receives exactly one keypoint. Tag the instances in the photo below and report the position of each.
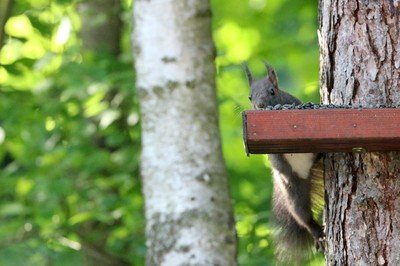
(70, 128)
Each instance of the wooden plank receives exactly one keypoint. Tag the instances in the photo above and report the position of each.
(327, 130)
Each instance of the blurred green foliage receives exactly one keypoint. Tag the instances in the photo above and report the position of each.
(70, 134)
(285, 34)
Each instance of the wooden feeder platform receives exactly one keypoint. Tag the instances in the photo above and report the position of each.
(322, 130)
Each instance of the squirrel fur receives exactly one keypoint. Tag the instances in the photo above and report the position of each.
(297, 179)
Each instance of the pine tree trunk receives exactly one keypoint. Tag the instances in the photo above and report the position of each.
(360, 60)
(189, 217)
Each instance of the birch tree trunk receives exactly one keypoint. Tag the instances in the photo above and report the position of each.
(360, 60)
(189, 218)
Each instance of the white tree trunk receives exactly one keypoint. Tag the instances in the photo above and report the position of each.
(189, 217)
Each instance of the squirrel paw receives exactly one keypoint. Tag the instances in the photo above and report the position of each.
(320, 242)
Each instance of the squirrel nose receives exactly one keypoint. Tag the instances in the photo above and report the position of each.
(259, 106)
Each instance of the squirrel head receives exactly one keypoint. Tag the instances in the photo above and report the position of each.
(265, 92)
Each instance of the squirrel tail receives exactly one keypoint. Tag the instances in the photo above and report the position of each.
(294, 243)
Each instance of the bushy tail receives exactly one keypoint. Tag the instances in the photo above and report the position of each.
(293, 243)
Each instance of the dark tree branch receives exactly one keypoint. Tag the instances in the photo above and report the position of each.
(5, 10)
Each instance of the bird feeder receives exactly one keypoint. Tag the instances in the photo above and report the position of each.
(322, 130)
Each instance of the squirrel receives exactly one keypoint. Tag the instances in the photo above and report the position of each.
(297, 180)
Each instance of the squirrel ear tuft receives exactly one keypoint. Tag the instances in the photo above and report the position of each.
(272, 77)
(248, 73)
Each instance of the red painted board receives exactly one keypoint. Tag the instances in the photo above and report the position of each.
(322, 130)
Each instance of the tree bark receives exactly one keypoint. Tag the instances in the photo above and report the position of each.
(5, 11)
(101, 25)
(189, 217)
(360, 60)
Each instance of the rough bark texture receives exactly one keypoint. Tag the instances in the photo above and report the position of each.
(360, 60)
(189, 218)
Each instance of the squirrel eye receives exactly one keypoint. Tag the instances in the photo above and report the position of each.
(272, 92)
(250, 98)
